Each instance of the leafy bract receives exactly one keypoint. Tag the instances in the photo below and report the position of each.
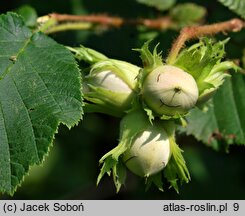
(221, 122)
(40, 87)
(199, 59)
(204, 62)
(238, 6)
(109, 84)
(131, 125)
(176, 170)
(86, 54)
(150, 61)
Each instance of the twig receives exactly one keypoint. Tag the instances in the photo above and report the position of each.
(160, 23)
(193, 32)
(64, 22)
(99, 19)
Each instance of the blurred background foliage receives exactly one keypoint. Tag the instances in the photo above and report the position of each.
(71, 169)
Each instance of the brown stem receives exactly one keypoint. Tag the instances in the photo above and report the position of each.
(100, 19)
(193, 32)
(159, 23)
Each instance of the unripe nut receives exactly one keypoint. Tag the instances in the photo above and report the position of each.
(149, 153)
(168, 90)
(109, 80)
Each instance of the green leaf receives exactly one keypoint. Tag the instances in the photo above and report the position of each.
(40, 87)
(29, 15)
(161, 5)
(187, 14)
(238, 6)
(222, 122)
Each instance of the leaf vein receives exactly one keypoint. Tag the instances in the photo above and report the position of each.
(7, 70)
(29, 118)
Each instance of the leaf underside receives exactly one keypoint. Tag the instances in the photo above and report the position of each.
(40, 88)
(222, 122)
(238, 6)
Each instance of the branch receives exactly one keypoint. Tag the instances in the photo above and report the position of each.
(193, 32)
(64, 22)
(99, 19)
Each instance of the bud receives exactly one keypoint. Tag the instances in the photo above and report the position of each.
(149, 153)
(170, 91)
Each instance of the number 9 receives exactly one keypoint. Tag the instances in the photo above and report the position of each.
(236, 206)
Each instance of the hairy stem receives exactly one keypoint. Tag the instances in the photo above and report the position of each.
(193, 32)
